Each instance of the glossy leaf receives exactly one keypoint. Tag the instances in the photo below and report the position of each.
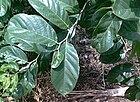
(130, 30)
(11, 53)
(127, 9)
(57, 59)
(32, 29)
(51, 10)
(120, 72)
(4, 5)
(106, 32)
(117, 46)
(93, 12)
(28, 81)
(64, 77)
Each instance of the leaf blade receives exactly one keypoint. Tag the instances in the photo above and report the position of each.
(65, 76)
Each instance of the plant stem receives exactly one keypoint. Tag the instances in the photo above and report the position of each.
(29, 64)
(70, 30)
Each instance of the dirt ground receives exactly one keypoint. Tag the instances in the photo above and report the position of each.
(92, 77)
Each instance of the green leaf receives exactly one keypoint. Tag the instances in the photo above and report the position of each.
(57, 59)
(106, 32)
(1, 25)
(120, 72)
(19, 91)
(12, 67)
(117, 46)
(32, 29)
(135, 49)
(108, 59)
(25, 46)
(4, 4)
(51, 10)
(34, 70)
(127, 9)
(69, 5)
(28, 81)
(44, 62)
(13, 54)
(14, 82)
(6, 83)
(93, 12)
(130, 30)
(116, 51)
(64, 77)
(132, 92)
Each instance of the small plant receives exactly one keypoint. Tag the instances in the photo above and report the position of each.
(36, 35)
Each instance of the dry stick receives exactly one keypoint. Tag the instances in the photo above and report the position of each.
(103, 79)
(118, 92)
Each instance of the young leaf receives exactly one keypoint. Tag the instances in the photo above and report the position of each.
(127, 9)
(12, 67)
(64, 77)
(57, 59)
(12, 54)
(51, 10)
(106, 32)
(32, 29)
(14, 81)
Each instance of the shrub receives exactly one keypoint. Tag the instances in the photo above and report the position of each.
(36, 35)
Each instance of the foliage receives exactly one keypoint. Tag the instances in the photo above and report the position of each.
(36, 36)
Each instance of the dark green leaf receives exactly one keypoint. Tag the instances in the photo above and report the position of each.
(69, 5)
(112, 58)
(93, 13)
(11, 53)
(4, 5)
(64, 77)
(130, 30)
(132, 93)
(31, 29)
(106, 32)
(120, 72)
(51, 10)
(127, 9)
